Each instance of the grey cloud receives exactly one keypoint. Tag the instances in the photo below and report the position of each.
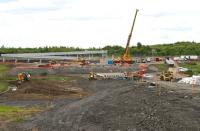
(24, 10)
(171, 13)
(165, 36)
(6, 1)
(161, 14)
(61, 2)
(54, 5)
(83, 18)
(177, 29)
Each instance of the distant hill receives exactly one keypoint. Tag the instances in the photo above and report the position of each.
(174, 49)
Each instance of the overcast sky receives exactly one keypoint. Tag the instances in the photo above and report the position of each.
(96, 23)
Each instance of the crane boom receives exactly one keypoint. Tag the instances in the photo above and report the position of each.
(126, 55)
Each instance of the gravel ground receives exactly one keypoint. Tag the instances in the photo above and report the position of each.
(73, 70)
(119, 105)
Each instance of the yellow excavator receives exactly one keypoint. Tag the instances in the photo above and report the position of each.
(166, 76)
(23, 76)
(126, 58)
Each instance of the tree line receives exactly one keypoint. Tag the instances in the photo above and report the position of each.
(174, 49)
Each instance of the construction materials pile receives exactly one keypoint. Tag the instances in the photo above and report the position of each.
(194, 80)
(117, 75)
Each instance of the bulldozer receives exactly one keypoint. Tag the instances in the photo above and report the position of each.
(126, 57)
(166, 76)
(23, 76)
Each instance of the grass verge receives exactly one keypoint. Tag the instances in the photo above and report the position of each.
(3, 86)
(3, 68)
(195, 68)
(15, 113)
(3, 79)
(57, 78)
(162, 67)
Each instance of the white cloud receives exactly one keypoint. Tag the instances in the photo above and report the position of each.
(88, 23)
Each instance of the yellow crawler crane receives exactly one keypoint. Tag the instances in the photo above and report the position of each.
(126, 58)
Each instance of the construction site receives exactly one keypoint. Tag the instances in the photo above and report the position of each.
(113, 98)
(90, 91)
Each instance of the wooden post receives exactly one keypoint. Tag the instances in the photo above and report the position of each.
(158, 89)
(192, 90)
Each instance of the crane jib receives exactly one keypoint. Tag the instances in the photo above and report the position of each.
(129, 37)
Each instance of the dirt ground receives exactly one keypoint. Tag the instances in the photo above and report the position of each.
(112, 105)
(46, 88)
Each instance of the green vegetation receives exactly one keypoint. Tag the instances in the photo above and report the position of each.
(4, 49)
(15, 113)
(3, 69)
(3, 81)
(54, 78)
(194, 67)
(171, 49)
(162, 67)
(178, 48)
(3, 86)
(174, 49)
(44, 74)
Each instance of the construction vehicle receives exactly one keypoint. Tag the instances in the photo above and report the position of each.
(92, 76)
(23, 76)
(117, 75)
(126, 58)
(135, 75)
(106, 76)
(84, 62)
(166, 76)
